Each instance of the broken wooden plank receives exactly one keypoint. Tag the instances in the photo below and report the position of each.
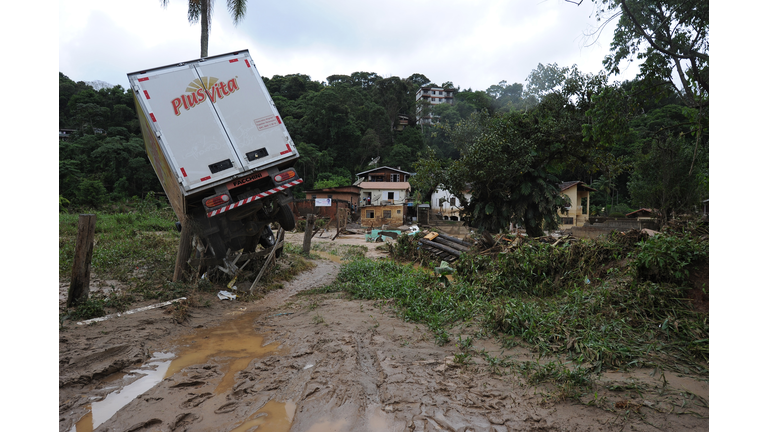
(278, 245)
(431, 236)
(133, 311)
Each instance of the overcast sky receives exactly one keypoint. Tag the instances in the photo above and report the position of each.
(474, 44)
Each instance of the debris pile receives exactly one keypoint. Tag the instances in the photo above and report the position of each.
(490, 244)
(443, 246)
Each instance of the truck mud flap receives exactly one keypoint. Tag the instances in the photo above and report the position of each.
(254, 198)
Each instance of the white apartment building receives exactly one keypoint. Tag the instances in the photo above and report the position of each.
(435, 96)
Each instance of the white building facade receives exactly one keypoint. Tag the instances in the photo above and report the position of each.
(434, 96)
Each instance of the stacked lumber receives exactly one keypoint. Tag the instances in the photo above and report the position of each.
(443, 246)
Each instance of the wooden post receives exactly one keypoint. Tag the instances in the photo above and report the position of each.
(308, 233)
(79, 287)
(185, 249)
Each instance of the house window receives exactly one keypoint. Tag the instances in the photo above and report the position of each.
(433, 99)
(394, 177)
(387, 214)
(398, 212)
(453, 201)
(330, 196)
(566, 221)
(390, 195)
(440, 93)
(314, 196)
(369, 214)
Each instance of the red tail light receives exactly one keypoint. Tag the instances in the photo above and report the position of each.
(285, 176)
(217, 201)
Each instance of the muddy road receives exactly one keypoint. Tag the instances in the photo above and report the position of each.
(325, 362)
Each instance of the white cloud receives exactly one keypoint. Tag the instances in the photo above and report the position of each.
(472, 44)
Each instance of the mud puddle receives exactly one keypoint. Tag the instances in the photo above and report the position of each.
(273, 417)
(152, 373)
(232, 346)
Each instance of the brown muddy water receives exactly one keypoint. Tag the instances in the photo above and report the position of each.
(232, 345)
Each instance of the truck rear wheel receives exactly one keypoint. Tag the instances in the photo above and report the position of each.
(285, 218)
(267, 240)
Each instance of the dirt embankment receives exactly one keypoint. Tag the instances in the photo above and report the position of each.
(326, 363)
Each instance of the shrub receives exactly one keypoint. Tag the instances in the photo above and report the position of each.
(665, 258)
(91, 192)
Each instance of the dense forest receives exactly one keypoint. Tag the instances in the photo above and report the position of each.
(339, 125)
(641, 144)
(642, 151)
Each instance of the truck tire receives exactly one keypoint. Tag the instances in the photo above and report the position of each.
(285, 218)
(267, 240)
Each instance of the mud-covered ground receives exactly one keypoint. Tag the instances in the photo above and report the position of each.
(325, 362)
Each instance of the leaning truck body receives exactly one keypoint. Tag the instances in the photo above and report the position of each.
(219, 148)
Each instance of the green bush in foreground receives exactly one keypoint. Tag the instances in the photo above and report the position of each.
(417, 294)
(613, 325)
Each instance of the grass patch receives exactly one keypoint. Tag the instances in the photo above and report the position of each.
(136, 242)
(345, 252)
(416, 294)
(142, 241)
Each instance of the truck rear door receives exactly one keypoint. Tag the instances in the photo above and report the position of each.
(214, 117)
(248, 114)
(187, 125)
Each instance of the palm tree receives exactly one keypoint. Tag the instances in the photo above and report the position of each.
(202, 10)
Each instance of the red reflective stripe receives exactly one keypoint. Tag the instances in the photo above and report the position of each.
(247, 63)
(153, 117)
(277, 117)
(286, 151)
(143, 79)
(146, 94)
(254, 197)
(205, 178)
(183, 172)
(233, 60)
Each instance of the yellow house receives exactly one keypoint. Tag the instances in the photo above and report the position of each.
(578, 213)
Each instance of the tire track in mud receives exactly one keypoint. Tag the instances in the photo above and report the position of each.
(189, 400)
(348, 365)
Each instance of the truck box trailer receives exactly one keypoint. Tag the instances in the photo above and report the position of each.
(219, 148)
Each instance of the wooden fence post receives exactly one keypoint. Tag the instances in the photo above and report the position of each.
(308, 233)
(185, 249)
(79, 287)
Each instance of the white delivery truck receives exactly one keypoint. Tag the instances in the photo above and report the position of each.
(219, 148)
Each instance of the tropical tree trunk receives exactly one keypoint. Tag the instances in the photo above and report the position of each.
(204, 31)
